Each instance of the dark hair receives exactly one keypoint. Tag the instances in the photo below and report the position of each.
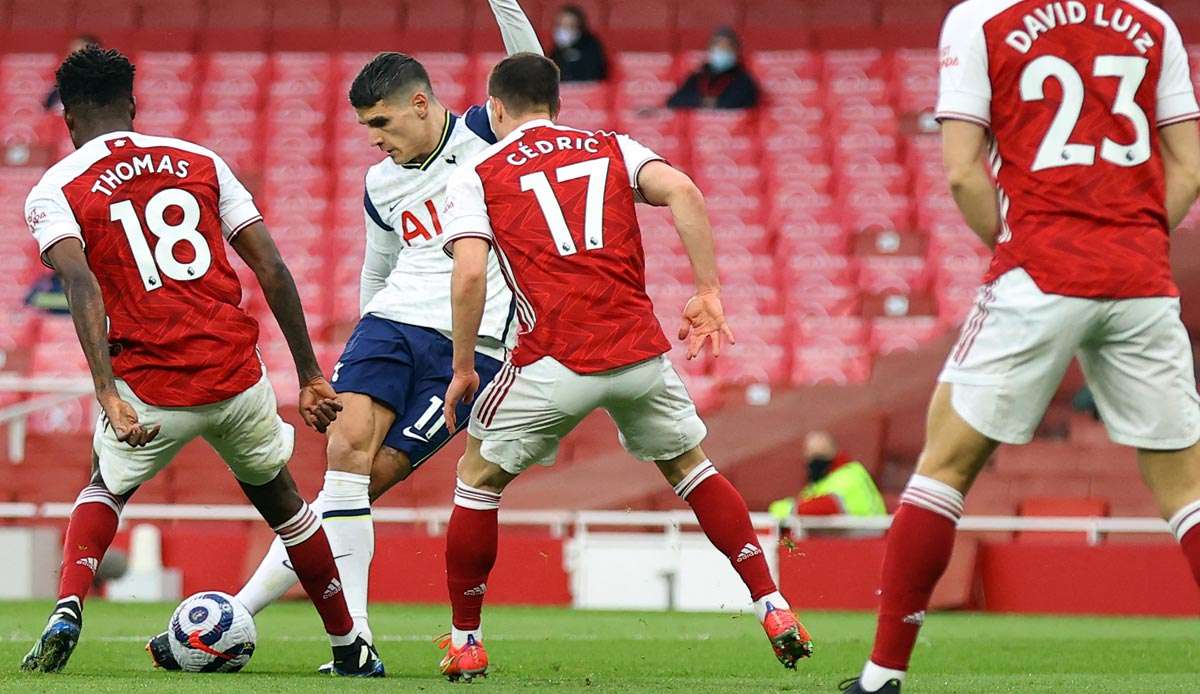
(526, 82)
(95, 77)
(386, 74)
(577, 12)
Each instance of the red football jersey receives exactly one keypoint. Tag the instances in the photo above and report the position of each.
(153, 215)
(557, 205)
(1072, 91)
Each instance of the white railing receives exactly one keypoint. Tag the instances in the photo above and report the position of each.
(561, 523)
(52, 391)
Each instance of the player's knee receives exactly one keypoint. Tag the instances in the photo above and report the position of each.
(346, 451)
(480, 474)
(389, 468)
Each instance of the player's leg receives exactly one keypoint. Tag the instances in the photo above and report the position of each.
(118, 470)
(997, 383)
(1142, 375)
(516, 421)
(256, 444)
(657, 422)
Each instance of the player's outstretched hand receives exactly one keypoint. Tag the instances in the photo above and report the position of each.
(319, 404)
(124, 421)
(704, 319)
(462, 388)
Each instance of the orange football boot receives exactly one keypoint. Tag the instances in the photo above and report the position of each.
(465, 663)
(788, 636)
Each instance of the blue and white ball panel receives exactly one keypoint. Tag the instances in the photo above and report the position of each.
(212, 632)
(406, 368)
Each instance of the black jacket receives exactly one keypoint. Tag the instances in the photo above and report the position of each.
(582, 61)
(734, 88)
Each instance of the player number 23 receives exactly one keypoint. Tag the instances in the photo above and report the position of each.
(1056, 149)
(596, 172)
(151, 266)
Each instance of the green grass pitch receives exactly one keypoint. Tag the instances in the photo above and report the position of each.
(568, 650)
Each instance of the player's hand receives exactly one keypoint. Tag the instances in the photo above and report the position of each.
(462, 388)
(703, 320)
(319, 404)
(124, 421)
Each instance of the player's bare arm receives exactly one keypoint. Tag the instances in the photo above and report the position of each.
(1181, 162)
(87, 311)
(319, 405)
(662, 185)
(964, 153)
(468, 294)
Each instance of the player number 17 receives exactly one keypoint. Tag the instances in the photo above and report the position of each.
(596, 172)
(1056, 149)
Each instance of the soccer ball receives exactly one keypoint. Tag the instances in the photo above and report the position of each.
(212, 632)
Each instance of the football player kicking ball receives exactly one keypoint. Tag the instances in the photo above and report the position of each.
(556, 205)
(155, 302)
(1086, 192)
(396, 365)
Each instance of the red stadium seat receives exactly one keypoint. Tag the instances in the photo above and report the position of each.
(889, 242)
(169, 25)
(754, 362)
(113, 21)
(890, 335)
(694, 29)
(368, 25)
(234, 25)
(776, 24)
(302, 25)
(436, 26)
(641, 25)
(834, 365)
(38, 25)
(893, 274)
(643, 80)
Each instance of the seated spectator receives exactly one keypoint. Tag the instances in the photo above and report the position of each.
(837, 485)
(722, 82)
(577, 51)
(47, 295)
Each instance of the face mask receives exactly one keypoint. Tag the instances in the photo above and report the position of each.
(565, 36)
(721, 59)
(818, 468)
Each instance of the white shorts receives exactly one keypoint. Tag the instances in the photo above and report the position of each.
(1018, 341)
(245, 430)
(525, 411)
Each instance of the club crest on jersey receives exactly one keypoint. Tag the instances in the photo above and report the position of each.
(35, 217)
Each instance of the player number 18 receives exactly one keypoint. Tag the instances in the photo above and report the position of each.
(596, 172)
(168, 236)
(1057, 150)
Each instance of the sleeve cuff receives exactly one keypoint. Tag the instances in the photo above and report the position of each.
(55, 238)
(963, 106)
(233, 234)
(637, 170)
(239, 218)
(448, 245)
(1177, 108)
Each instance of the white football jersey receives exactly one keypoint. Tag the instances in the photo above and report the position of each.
(404, 230)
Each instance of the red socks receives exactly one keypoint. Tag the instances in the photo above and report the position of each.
(1186, 526)
(470, 552)
(308, 549)
(724, 518)
(919, 545)
(90, 531)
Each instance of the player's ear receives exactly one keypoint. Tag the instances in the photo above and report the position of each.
(132, 107)
(420, 103)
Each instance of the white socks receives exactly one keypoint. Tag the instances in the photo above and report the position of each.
(777, 601)
(345, 508)
(874, 677)
(346, 511)
(458, 637)
(934, 496)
